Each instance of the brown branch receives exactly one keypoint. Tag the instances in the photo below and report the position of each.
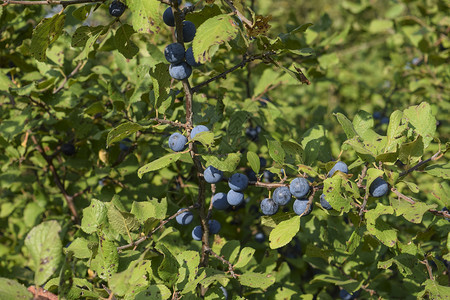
(436, 156)
(361, 178)
(244, 61)
(164, 121)
(363, 206)
(67, 197)
(427, 265)
(80, 66)
(239, 14)
(400, 195)
(224, 261)
(49, 2)
(161, 224)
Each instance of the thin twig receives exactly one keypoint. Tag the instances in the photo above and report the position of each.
(49, 2)
(239, 14)
(362, 176)
(80, 66)
(224, 261)
(436, 156)
(430, 272)
(244, 61)
(400, 195)
(164, 121)
(161, 224)
(57, 179)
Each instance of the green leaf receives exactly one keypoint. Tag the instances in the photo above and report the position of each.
(275, 150)
(168, 268)
(244, 257)
(355, 240)
(328, 60)
(149, 209)
(93, 216)
(284, 232)
(346, 125)
(350, 285)
(332, 190)
(188, 262)
(145, 15)
(44, 34)
(411, 153)
(380, 25)
(254, 162)
(421, 121)
(293, 151)
(372, 174)
(109, 258)
(83, 34)
(439, 170)
(159, 291)
(122, 131)
(383, 231)
(315, 145)
(132, 280)
(80, 248)
(122, 222)
(214, 31)
(123, 42)
(231, 250)
(229, 164)
(45, 247)
(161, 84)
(12, 290)
(206, 138)
(411, 212)
(159, 163)
(434, 290)
(257, 280)
(395, 131)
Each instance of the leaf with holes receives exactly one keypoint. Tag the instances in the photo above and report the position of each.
(215, 31)
(45, 33)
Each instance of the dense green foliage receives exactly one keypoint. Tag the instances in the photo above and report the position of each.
(363, 82)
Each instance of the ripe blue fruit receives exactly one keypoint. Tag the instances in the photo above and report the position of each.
(184, 218)
(189, 31)
(117, 8)
(177, 142)
(125, 144)
(168, 17)
(300, 207)
(235, 198)
(214, 226)
(324, 202)
(251, 175)
(384, 120)
(339, 166)
(299, 187)
(197, 233)
(68, 149)
(197, 130)
(220, 201)
(282, 195)
(268, 176)
(190, 58)
(269, 207)
(180, 71)
(174, 53)
(238, 182)
(378, 188)
(260, 237)
(212, 175)
(252, 132)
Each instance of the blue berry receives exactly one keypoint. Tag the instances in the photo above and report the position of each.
(174, 53)
(344, 295)
(125, 144)
(220, 201)
(68, 149)
(214, 226)
(339, 166)
(269, 207)
(190, 58)
(384, 120)
(184, 218)
(238, 182)
(168, 17)
(197, 130)
(180, 71)
(189, 31)
(324, 202)
(197, 233)
(212, 175)
(377, 115)
(282, 195)
(378, 188)
(260, 237)
(251, 175)
(300, 207)
(299, 187)
(235, 198)
(116, 8)
(177, 142)
(268, 176)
